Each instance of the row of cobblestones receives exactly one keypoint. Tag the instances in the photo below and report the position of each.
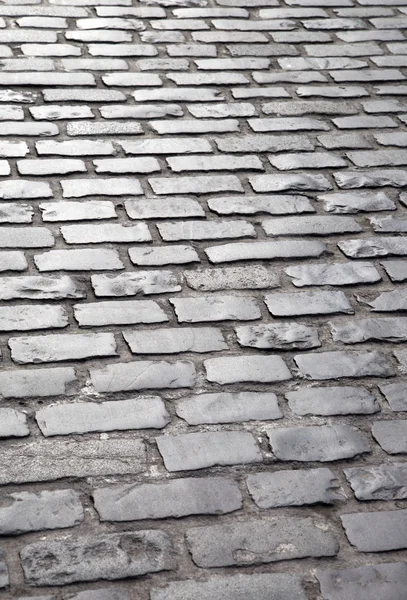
(202, 299)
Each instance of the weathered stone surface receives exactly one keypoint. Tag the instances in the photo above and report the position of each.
(198, 230)
(382, 482)
(109, 232)
(176, 498)
(172, 341)
(338, 400)
(191, 451)
(124, 312)
(294, 488)
(332, 365)
(39, 288)
(37, 382)
(364, 330)
(355, 202)
(61, 347)
(109, 556)
(143, 375)
(13, 261)
(215, 308)
(15, 213)
(262, 586)
(86, 259)
(163, 208)
(229, 278)
(225, 407)
(310, 226)
(376, 531)
(250, 205)
(386, 581)
(132, 284)
(13, 423)
(260, 541)
(396, 395)
(391, 435)
(295, 182)
(280, 336)
(246, 368)
(377, 246)
(21, 512)
(31, 316)
(84, 417)
(317, 443)
(307, 303)
(4, 574)
(264, 250)
(163, 255)
(396, 300)
(47, 460)
(333, 274)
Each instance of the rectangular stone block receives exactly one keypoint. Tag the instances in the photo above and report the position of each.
(32, 316)
(331, 365)
(50, 287)
(376, 531)
(381, 482)
(28, 383)
(48, 460)
(137, 283)
(191, 451)
(124, 312)
(143, 375)
(260, 541)
(215, 308)
(246, 368)
(108, 556)
(176, 498)
(172, 341)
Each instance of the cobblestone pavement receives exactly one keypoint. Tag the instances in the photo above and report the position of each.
(203, 301)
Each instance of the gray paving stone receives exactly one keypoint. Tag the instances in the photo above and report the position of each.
(166, 146)
(88, 259)
(333, 274)
(296, 182)
(22, 512)
(388, 225)
(308, 303)
(326, 91)
(222, 111)
(176, 498)
(355, 49)
(132, 284)
(224, 37)
(13, 423)
(122, 50)
(320, 443)
(385, 581)
(127, 312)
(61, 347)
(395, 138)
(294, 488)
(187, 94)
(77, 211)
(131, 79)
(334, 141)
(288, 162)
(260, 92)
(338, 400)
(89, 35)
(395, 269)
(20, 237)
(163, 208)
(106, 128)
(264, 143)
(55, 113)
(93, 234)
(75, 148)
(28, 383)
(193, 126)
(23, 189)
(313, 225)
(13, 149)
(264, 250)
(45, 167)
(50, 287)
(108, 556)
(4, 573)
(230, 278)
(39, 78)
(391, 435)
(274, 204)
(287, 124)
(388, 301)
(225, 78)
(246, 368)
(200, 184)
(25, 317)
(382, 482)
(262, 586)
(279, 336)
(118, 415)
(115, 186)
(371, 329)
(289, 76)
(172, 341)
(215, 163)
(148, 111)
(376, 531)
(377, 246)
(260, 541)
(215, 308)
(332, 365)
(201, 230)
(367, 75)
(48, 460)
(226, 407)
(191, 451)
(110, 593)
(143, 375)
(112, 23)
(13, 261)
(355, 202)
(395, 394)
(192, 50)
(374, 178)
(82, 95)
(163, 255)
(50, 50)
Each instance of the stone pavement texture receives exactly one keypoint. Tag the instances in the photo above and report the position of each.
(203, 301)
